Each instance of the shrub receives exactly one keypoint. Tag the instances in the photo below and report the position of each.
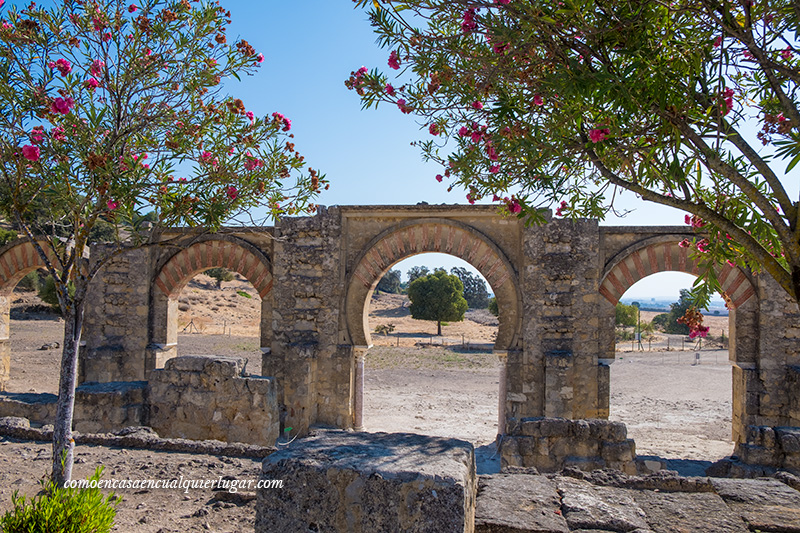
(31, 282)
(384, 328)
(493, 306)
(6, 236)
(58, 509)
(48, 293)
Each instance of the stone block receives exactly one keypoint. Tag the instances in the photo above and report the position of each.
(788, 439)
(518, 503)
(764, 504)
(367, 482)
(668, 512)
(586, 506)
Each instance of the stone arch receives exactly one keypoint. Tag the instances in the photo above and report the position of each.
(178, 269)
(663, 254)
(644, 259)
(441, 236)
(17, 259)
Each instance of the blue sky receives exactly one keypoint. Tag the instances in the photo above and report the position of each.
(311, 46)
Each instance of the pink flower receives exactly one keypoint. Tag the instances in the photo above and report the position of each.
(62, 105)
(513, 205)
(463, 131)
(232, 192)
(389, 89)
(439, 178)
(491, 152)
(561, 208)
(401, 104)
(209, 159)
(107, 36)
(31, 153)
(747, 55)
(787, 54)
(687, 219)
(538, 100)
(260, 58)
(730, 263)
(471, 199)
(91, 83)
(360, 72)
(477, 105)
(718, 41)
(598, 134)
(112, 204)
(394, 60)
(37, 135)
(434, 129)
(468, 24)
(251, 116)
(62, 65)
(2, 2)
(494, 169)
(502, 2)
(132, 8)
(97, 67)
(702, 246)
(278, 118)
(684, 243)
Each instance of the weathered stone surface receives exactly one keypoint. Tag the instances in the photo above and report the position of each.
(590, 507)
(204, 397)
(368, 482)
(764, 504)
(40, 409)
(103, 407)
(517, 503)
(679, 512)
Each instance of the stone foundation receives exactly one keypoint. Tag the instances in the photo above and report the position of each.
(368, 482)
(198, 397)
(552, 444)
(40, 409)
(776, 447)
(105, 407)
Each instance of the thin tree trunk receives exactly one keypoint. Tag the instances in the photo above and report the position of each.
(439, 327)
(63, 444)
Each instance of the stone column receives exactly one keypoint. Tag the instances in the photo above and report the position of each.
(502, 356)
(360, 353)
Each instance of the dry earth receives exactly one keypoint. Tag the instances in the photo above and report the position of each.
(673, 407)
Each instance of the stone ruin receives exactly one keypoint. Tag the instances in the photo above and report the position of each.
(556, 287)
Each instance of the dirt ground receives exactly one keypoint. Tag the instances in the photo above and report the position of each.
(673, 407)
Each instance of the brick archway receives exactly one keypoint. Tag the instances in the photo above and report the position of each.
(236, 256)
(631, 265)
(228, 252)
(437, 236)
(17, 259)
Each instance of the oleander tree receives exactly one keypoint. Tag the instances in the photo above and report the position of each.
(689, 104)
(114, 112)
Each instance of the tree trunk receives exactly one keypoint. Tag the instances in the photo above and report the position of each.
(439, 328)
(63, 445)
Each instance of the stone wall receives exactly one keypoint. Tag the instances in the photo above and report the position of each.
(776, 447)
(313, 372)
(108, 407)
(552, 444)
(197, 397)
(40, 409)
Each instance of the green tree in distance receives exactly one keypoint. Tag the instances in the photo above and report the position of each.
(439, 297)
(475, 292)
(625, 315)
(573, 102)
(417, 272)
(390, 282)
(110, 111)
(220, 274)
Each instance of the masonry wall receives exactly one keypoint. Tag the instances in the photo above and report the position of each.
(313, 371)
(196, 397)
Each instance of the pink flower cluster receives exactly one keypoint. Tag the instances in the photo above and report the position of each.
(477, 105)
(252, 163)
(434, 129)
(389, 89)
(37, 135)
(132, 8)
(468, 24)
(31, 153)
(727, 99)
(561, 208)
(598, 134)
(403, 107)
(474, 131)
(57, 134)
(702, 246)
(278, 118)
(502, 2)
(394, 60)
(718, 41)
(112, 204)
(694, 221)
(232, 192)
(209, 159)
(62, 65)
(538, 100)
(62, 105)
(91, 84)
(701, 331)
(96, 68)
(787, 54)
(512, 204)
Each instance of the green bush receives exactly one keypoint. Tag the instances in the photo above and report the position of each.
(6, 236)
(493, 306)
(49, 295)
(57, 509)
(625, 315)
(31, 282)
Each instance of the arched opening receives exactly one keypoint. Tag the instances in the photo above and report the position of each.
(418, 381)
(432, 408)
(665, 254)
(219, 313)
(673, 392)
(191, 314)
(31, 332)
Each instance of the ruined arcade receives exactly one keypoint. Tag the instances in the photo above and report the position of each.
(556, 286)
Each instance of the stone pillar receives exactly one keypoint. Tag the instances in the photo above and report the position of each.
(5, 348)
(502, 395)
(358, 399)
